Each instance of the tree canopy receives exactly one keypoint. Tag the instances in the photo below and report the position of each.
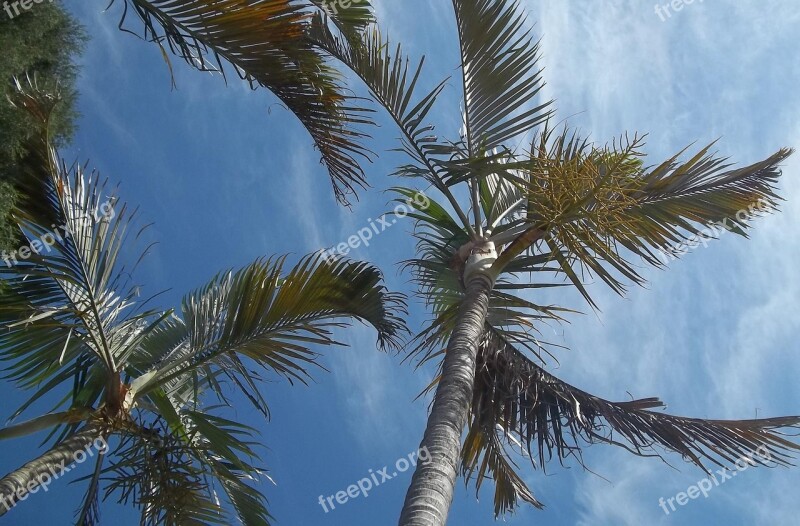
(40, 43)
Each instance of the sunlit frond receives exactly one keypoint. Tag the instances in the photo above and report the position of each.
(500, 71)
(393, 79)
(274, 318)
(266, 43)
(596, 207)
(67, 305)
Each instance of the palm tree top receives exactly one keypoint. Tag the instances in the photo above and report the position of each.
(156, 383)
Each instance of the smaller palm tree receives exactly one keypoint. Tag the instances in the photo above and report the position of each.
(141, 379)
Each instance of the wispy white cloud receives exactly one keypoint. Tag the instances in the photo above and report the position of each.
(622, 500)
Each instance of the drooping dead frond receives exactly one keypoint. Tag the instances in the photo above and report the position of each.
(551, 419)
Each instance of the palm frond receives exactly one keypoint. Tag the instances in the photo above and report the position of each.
(157, 473)
(351, 21)
(274, 319)
(547, 418)
(66, 295)
(393, 79)
(500, 71)
(594, 207)
(266, 42)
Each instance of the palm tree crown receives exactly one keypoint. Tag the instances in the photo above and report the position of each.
(74, 330)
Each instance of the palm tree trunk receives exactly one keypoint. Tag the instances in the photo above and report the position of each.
(37, 473)
(431, 492)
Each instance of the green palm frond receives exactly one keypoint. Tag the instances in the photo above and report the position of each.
(180, 468)
(179, 462)
(273, 318)
(226, 450)
(546, 418)
(594, 207)
(159, 474)
(393, 79)
(701, 191)
(501, 75)
(266, 43)
(351, 21)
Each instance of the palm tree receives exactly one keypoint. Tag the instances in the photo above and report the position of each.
(142, 379)
(516, 218)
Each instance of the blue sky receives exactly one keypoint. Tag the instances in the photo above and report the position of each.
(228, 176)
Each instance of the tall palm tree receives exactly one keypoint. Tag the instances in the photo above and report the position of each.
(143, 380)
(522, 205)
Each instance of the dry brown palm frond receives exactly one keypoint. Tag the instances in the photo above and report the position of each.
(518, 400)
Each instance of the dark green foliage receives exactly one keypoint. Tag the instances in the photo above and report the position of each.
(40, 43)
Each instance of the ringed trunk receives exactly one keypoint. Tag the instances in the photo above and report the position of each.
(431, 492)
